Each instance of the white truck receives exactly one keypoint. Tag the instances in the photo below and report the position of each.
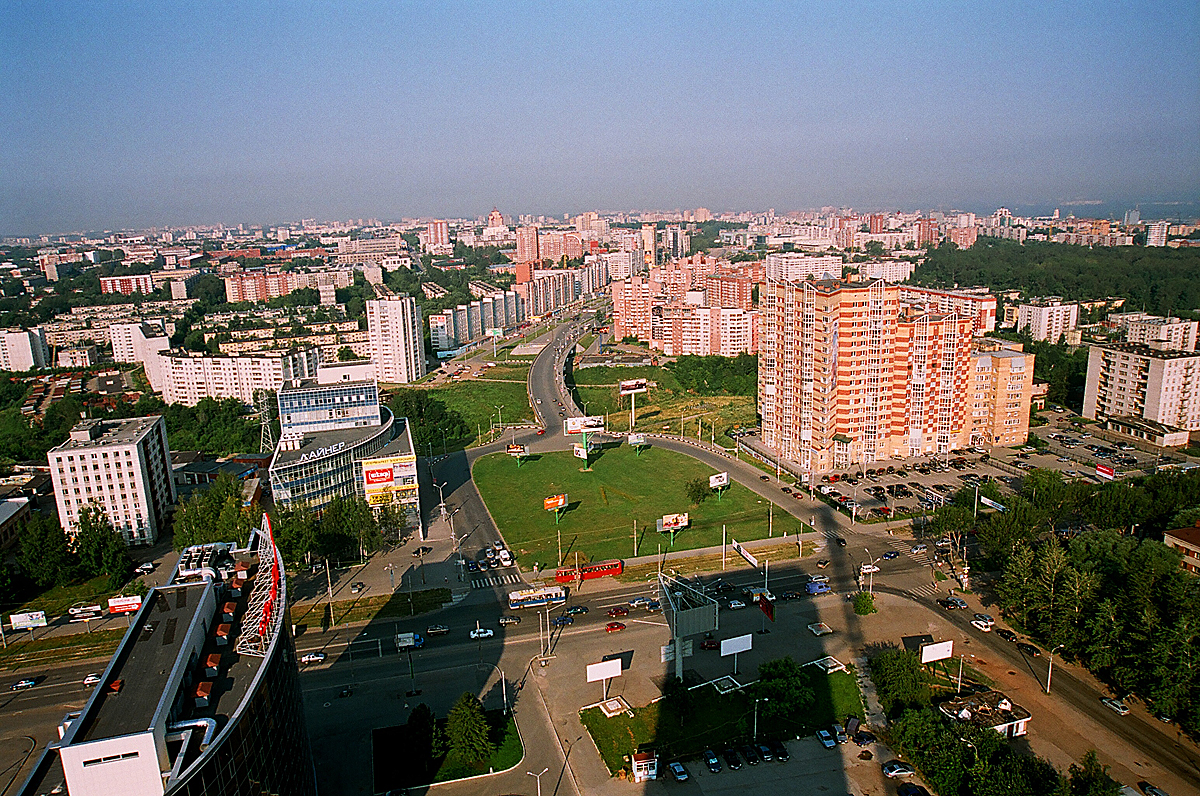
(406, 641)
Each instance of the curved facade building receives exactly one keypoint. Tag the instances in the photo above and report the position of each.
(202, 697)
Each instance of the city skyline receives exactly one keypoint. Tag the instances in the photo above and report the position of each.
(156, 117)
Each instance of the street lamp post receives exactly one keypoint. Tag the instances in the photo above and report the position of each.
(756, 701)
(441, 497)
(538, 776)
(871, 588)
(391, 571)
(1050, 670)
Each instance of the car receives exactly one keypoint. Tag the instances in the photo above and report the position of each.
(750, 753)
(421, 551)
(614, 627)
(890, 554)
(539, 401)
(817, 588)
(21, 685)
(911, 789)
(765, 752)
(732, 760)
(867, 569)
(864, 738)
(985, 618)
(484, 565)
(638, 602)
(313, 657)
(958, 603)
(898, 768)
(826, 739)
(437, 630)
(779, 750)
(1115, 705)
(576, 610)
(919, 548)
(1152, 790)
(620, 610)
(764, 478)
(562, 621)
(678, 771)
(982, 626)
(1007, 635)
(709, 644)
(541, 431)
(824, 562)
(840, 541)
(483, 632)
(145, 569)
(736, 605)
(92, 679)
(472, 566)
(510, 620)
(839, 733)
(791, 594)
(653, 606)
(945, 603)
(787, 490)
(357, 587)
(818, 578)
(712, 761)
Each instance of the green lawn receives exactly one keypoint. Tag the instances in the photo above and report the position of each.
(507, 752)
(660, 411)
(717, 720)
(514, 370)
(477, 400)
(611, 375)
(604, 503)
(57, 600)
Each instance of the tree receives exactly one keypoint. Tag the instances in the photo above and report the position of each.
(467, 729)
(346, 354)
(347, 525)
(900, 680)
(1091, 778)
(295, 529)
(697, 490)
(216, 514)
(100, 548)
(1016, 589)
(786, 685)
(44, 554)
(425, 737)
(864, 603)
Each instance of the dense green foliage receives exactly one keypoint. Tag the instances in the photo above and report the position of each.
(48, 558)
(785, 686)
(1163, 281)
(345, 530)
(430, 420)
(708, 233)
(901, 682)
(864, 603)
(715, 375)
(467, 729)
(215, 514)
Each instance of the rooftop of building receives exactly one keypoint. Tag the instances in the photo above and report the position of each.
(1189, 536)
(318, 444)
(1142, 424)
(401, 444)
(1143, 350)
(986, 709)
(98, 433)
(303, 385)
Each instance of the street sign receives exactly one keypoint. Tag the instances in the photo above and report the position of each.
(27, 621)
(937, 652)
(555, 502)
(580, 451)
(719, 480)
(124, 605)
(1105, 472)
(603, 670)
(732, 646)
(744, 553)
(633, 386)
(989, 502)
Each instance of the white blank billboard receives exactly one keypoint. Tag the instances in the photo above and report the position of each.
(729, 646)
(937, 652)
(604, 670)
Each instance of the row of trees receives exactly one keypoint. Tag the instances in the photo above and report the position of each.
(961, 759)
(214, 426)
(48, 558)
(715, 375)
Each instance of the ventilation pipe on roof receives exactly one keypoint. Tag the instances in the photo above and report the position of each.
(208, 725)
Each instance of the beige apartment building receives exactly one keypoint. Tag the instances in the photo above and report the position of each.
(1148, 382)
(1000, 393)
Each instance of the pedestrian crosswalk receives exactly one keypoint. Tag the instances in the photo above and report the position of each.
(924, 591)
(486, 581)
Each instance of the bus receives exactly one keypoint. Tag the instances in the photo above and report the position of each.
(533, 598)
(596, 569)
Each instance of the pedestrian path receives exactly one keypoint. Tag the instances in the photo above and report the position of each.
(924, 591)
(486, 581)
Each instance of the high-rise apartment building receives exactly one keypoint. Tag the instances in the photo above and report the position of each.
(794, 266)
(127, 285)
(976, 303)
(141, 342)
(999, 393)
(437, 233)
(632, 304)
(846, 377)
(1175, 334)
(187, 376)
(649, 245)
(729, 290)
(397, 342)
(1147, 382)
(1047, 319)
(23, 349)
(123, 466)
(1156, 233)
(527, 245)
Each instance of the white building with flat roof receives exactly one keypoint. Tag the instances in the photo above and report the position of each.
(141, 342)
(1147, 382)
(1047, 319)
(396, 338)
(123, 466)
(23, 349)
(188, 376)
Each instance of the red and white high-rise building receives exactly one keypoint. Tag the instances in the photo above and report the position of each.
(527, 245)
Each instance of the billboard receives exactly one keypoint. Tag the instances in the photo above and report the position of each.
(390, 479)
(495, 332)
(27, 621)
(555, 502)
(637, 439)
(580, 451)
(719, 480)
(989, 502)
(124, 605)
(766, 606)
(1105, 472)
(673, 522)
(937, 652)
(744, 553)
(633, 386)
(518, 450)
(583, 425)
(732, 646)
(603, 670)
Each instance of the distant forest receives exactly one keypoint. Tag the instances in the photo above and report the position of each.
(1163, 281)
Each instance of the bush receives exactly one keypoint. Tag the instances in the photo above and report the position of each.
(864, 603)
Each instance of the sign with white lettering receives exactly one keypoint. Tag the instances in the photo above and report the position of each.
(321, 453)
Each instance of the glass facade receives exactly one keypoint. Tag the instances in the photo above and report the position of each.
(325, 407)
(317, 481)
(264, 749)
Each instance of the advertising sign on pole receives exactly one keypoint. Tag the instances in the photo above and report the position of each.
(732, 646)
(744, 553)
(124, 605)
(673, 522)
(583, 425)
(989, 502)
(580, 451)
(603, 670)
(27, 621)
(766, 606)
(637, 439)
(937, 652)
(633, 386)
(719, 480)
(1105, 472)
(555, 502)
(390, 479)
(495, 332)
(518, 450)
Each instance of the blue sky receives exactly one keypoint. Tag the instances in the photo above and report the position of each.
(129, 114)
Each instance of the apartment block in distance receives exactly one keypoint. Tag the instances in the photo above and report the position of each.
(141, 342)
(127, 285)
(1176, 334)
(1144, 382)
(1047, 319)
(188, 377)
(124, 466)
(397, 339)
(23, 349)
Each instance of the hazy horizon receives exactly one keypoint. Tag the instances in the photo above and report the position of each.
(135, 116)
